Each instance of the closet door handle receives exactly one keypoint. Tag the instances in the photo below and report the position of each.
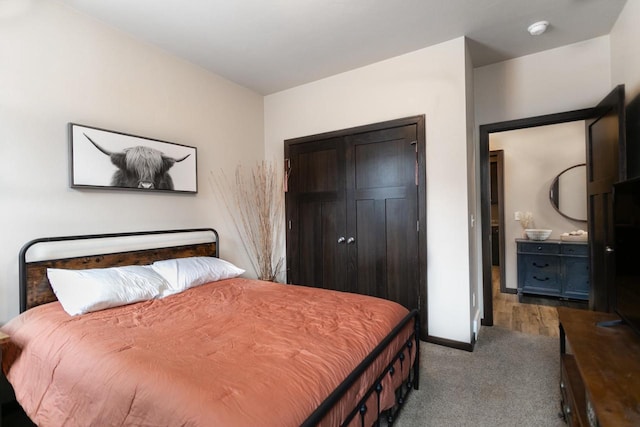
(341, 239)
(350, 240)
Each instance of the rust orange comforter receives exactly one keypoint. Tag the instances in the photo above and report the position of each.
(236, 352)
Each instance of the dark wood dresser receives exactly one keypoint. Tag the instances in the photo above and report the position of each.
(600, 370)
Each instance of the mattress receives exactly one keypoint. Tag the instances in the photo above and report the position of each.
(236, 352)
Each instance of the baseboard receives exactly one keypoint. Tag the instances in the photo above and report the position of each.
(451, 343)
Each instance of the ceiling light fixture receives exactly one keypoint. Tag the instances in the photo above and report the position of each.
(538, 28)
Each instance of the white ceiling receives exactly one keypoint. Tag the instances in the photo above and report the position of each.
(272, 45)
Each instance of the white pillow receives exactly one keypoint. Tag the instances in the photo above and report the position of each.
(82, 291)
(185, 273)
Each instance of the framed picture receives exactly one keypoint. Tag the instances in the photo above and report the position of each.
(102, 158)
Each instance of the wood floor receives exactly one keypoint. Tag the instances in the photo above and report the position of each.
(529, 318)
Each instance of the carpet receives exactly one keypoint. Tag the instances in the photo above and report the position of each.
(510, 379)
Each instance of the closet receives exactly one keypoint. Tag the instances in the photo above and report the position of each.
(355, 209)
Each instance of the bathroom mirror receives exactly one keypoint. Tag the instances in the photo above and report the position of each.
(568, 193)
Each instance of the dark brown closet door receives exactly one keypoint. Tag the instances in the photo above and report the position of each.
(382, 214)
(352, 213)
(316, 215)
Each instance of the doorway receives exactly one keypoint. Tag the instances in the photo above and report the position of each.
(485, 196)
(606, 152)
(606, 162)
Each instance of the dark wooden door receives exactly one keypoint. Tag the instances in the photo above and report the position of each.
(352, 213)
(316, 217)
(382, 214)
(606, 151)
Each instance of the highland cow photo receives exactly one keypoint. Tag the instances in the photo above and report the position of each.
(106, 159)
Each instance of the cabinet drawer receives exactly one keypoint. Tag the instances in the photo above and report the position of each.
(539, 248)
(540, 265)
(572, 392)
(539, 274)
(578, 250)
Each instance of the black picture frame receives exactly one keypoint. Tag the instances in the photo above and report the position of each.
(106, 159)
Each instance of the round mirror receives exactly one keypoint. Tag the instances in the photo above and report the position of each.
(568, 193)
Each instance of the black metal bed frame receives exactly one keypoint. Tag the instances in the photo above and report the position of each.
(411, 347)
(412, 381)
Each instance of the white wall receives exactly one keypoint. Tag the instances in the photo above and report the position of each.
(533, 157)
(429, 81)
(59, 66)
(625, 50)
(557, 80)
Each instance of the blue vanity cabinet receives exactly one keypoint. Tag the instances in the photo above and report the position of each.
(553, 268)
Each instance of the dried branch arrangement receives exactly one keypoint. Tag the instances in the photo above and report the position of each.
(526, 220)
(255, 200)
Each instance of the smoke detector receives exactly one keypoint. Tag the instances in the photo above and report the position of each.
(538, 28)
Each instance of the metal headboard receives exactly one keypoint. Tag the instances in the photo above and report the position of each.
(34, 285)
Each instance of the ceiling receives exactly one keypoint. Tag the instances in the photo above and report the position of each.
(272, 45)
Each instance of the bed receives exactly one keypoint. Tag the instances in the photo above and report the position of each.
(228, 352)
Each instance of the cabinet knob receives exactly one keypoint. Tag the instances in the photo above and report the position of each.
(341, 239)
(350, 240)
(609, 250)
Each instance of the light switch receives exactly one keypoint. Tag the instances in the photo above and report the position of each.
(517, 215)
